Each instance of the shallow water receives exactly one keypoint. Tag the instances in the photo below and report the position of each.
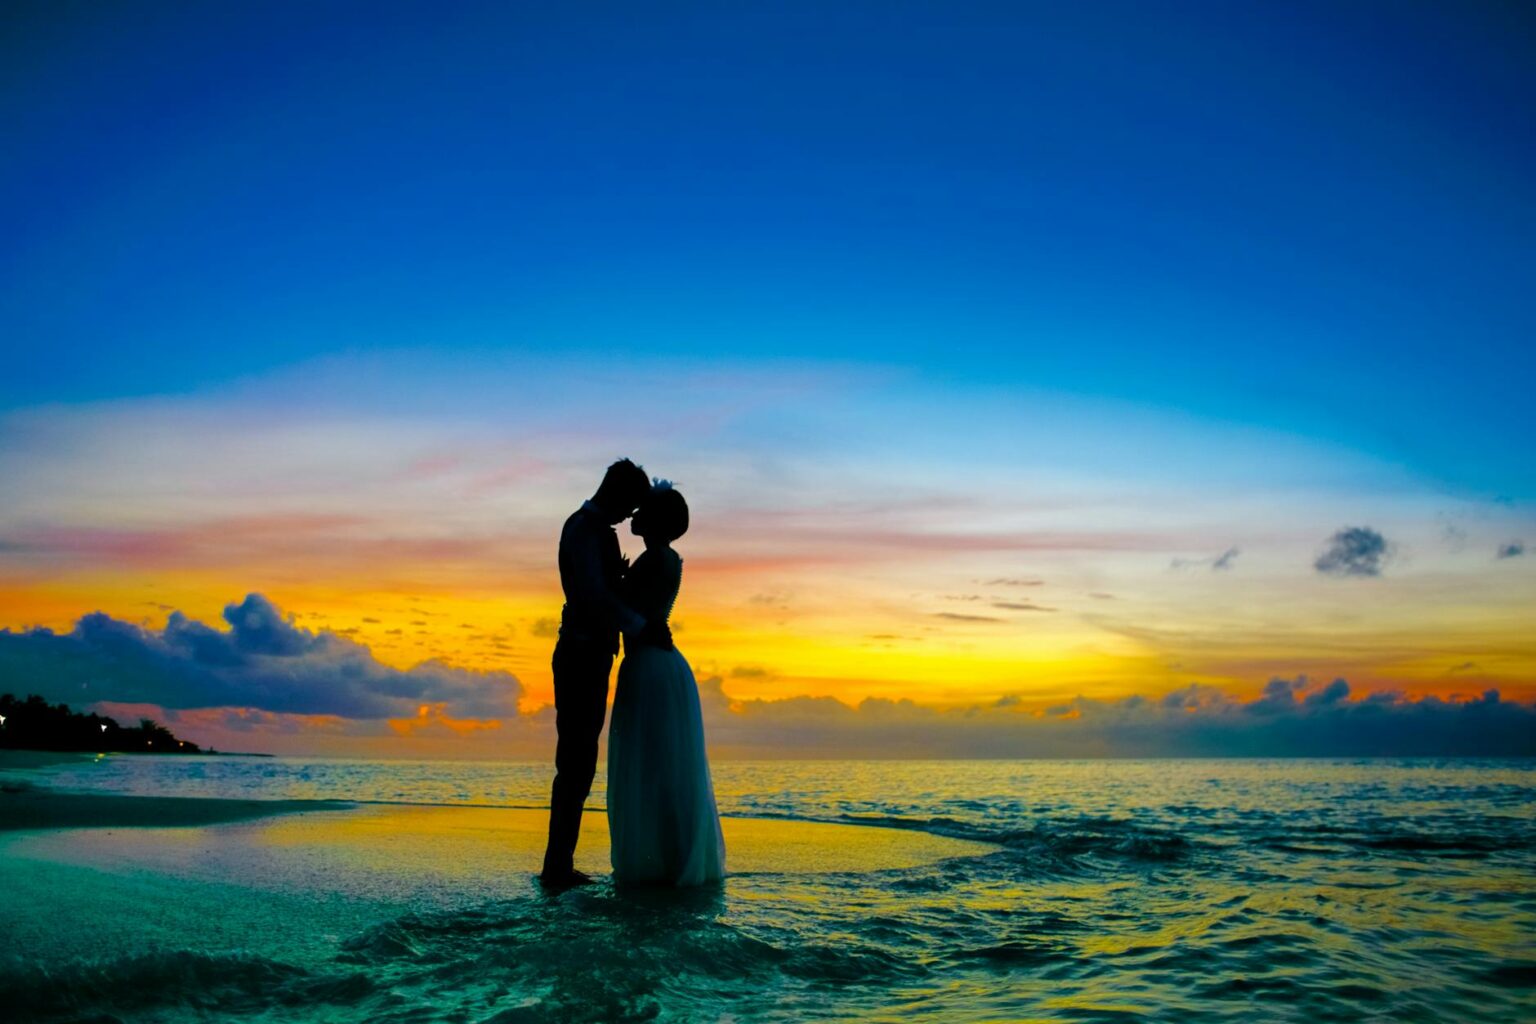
(1153, 890)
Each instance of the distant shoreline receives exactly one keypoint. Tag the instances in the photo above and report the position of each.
(37, 757)
(31, 723)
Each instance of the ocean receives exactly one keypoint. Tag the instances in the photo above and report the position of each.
(1168, 890)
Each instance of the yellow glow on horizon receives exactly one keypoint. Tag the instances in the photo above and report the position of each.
(850, 638)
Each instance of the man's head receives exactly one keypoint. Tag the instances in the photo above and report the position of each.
(624, 486)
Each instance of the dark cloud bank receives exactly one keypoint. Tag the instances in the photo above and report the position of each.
(264, 668)
(263, 661)
(1293, 717)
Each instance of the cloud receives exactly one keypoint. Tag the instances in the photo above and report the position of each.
(1454, 536)
(1353, 551)
(1192, 697)
(1514, 549)
(1216, 563)
(546, 628)
(433, 718)
(958, 617)
(1331, 694)
(1196, 720)
(1279, 695)
(1021, 606)
(1015, 582)
(263, 662)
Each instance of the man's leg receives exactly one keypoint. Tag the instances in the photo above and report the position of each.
(581, 703)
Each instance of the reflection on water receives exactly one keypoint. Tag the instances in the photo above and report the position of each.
(1172, 890)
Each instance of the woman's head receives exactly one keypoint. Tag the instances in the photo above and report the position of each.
(662, 516)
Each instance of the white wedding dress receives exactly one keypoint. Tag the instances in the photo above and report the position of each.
(662, 819)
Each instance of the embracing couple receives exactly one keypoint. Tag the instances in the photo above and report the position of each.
(662, 822)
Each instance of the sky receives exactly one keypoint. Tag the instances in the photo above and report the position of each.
(1046, 380)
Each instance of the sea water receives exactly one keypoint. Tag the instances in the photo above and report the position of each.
(1169, 890)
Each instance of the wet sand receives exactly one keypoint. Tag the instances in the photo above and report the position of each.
(417, 845)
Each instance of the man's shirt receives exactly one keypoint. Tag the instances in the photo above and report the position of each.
(591, 571)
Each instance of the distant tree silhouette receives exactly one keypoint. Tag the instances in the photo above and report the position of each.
(34, 724)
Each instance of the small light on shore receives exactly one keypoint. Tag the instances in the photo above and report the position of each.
(2, 719)
(103, 728)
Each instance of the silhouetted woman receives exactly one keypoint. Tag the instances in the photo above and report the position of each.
(661, 802)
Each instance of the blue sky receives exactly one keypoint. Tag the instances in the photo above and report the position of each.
(1313, 217)
(1037, 358)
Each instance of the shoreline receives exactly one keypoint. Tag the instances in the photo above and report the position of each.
(409, 841)
(29, 808)
(24, 760)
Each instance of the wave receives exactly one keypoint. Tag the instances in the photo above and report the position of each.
(592, 956)
(231, 981)
(1384, 838)
(1470, 846)
(675, 931)
(1059, 841)
(1015, 954)
(1512, 975)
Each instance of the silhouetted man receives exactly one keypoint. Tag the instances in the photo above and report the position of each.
(591, 571)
